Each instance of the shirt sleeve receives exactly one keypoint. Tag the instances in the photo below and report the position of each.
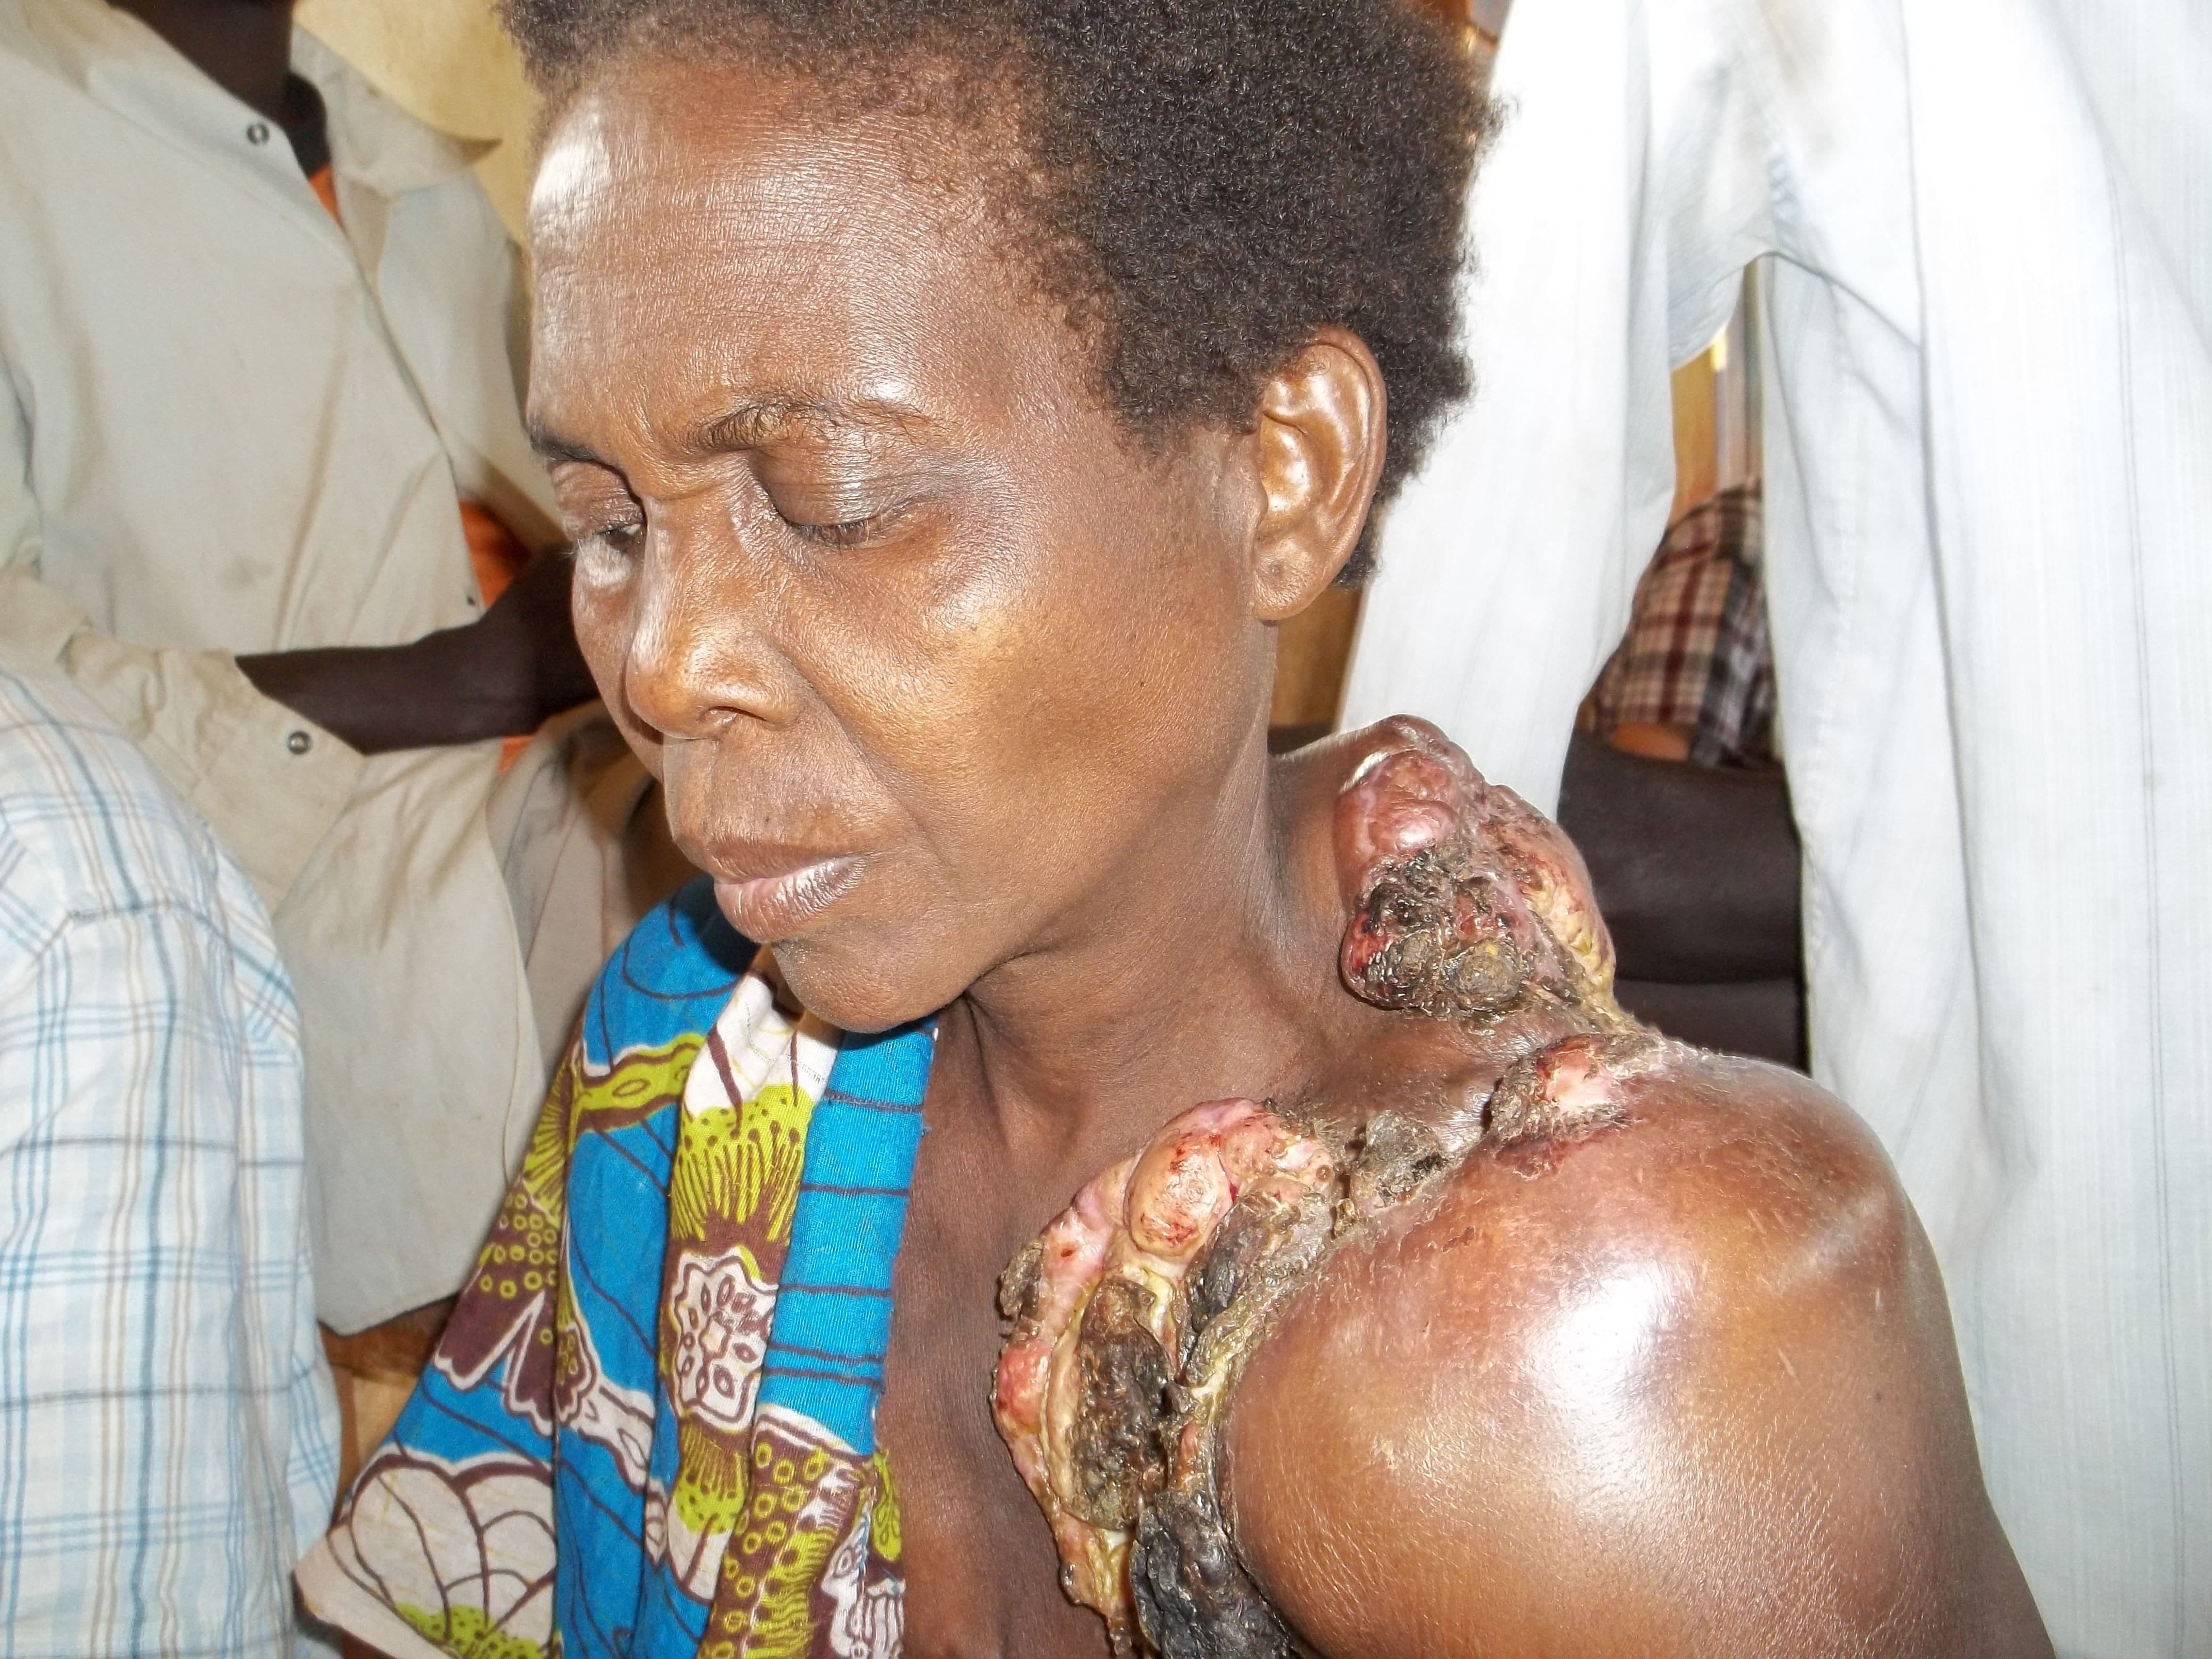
(269, 781)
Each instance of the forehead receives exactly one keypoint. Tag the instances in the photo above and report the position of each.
(704, 230)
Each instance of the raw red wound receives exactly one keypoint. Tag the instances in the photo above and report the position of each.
(1131, 1313)
(1463, 896)
(1140, 1224)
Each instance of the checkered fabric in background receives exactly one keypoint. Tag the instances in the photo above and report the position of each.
(1697, 654)
(166, 1426)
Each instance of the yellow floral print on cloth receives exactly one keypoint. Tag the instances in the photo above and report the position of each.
(649, 1430)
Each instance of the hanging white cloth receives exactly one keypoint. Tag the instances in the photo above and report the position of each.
(1988, 328)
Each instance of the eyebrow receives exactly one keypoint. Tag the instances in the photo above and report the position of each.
(762, 421)
(550, 447)
(750, 424)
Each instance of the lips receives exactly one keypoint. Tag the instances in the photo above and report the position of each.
(786, 897)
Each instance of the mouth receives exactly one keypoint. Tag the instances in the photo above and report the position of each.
(771, 907)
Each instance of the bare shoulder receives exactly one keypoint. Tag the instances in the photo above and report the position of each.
(1681, 1382)
(1525, 1331)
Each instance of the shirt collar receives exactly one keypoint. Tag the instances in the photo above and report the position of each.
(120, 61)
(373, 140)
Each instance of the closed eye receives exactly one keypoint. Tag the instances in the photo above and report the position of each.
(848, 532)
(620, 537)
(596, 505)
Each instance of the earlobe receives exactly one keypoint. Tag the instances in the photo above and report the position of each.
(1318, 440)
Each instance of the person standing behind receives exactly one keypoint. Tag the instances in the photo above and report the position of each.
(241, 430)
(166, 1423)
(1982, 232)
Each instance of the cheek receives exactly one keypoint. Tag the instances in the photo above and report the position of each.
(1051, 705)
(600, 598)
(1141, 662)
(601, 605)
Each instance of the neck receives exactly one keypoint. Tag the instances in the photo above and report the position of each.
(1210, 971)
(245, 47)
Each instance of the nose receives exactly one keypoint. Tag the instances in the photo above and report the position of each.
(700, 657)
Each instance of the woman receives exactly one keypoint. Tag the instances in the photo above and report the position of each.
(948, 401)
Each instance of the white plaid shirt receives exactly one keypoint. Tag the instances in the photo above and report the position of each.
(166, 1424)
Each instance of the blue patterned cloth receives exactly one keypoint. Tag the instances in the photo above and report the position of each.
(649, 1429)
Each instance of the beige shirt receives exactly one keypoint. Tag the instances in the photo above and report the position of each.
(228, 426)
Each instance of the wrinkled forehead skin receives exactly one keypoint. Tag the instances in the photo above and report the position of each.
(710, 224)
(867, 570)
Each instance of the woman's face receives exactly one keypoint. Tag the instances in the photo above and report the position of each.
(937, 666)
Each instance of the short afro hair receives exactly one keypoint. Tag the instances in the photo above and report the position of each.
(1202, 184)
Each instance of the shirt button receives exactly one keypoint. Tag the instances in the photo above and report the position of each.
(298, 743)
(258, 133)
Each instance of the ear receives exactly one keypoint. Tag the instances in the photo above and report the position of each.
(1318, 450)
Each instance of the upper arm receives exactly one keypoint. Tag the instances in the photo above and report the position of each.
(1689, 1391)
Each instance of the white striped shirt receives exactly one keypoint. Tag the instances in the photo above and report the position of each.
(167, 1424)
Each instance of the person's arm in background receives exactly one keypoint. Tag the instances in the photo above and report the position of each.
(248, 744)
(501, 675)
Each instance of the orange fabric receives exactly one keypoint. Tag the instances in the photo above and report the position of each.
(496, 553)
(325, 191)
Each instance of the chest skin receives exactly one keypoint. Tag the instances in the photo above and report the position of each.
(982, 1571)
(981, 1574)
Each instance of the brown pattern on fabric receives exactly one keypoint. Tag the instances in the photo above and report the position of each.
(731, 1192)
(463, 1593)
(510, 1319)
(812, 1569)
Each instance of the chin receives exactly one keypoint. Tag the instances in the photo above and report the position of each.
(845, 980)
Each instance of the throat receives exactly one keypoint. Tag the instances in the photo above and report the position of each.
(1090, 1067)
(1208, 975)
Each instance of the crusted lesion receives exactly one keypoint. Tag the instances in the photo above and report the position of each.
(1571, 1088)
(1435, 936)
(1190, 1594)
(1132, 1317)
(1123, 1373)
(1193, 1599)
(1395, 1156)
